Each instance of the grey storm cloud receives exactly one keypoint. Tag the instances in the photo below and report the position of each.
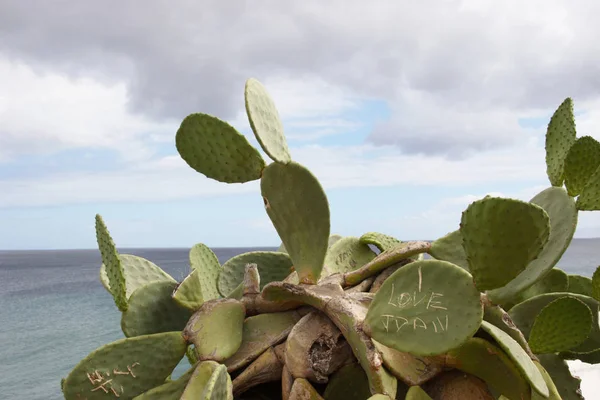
(185, 56)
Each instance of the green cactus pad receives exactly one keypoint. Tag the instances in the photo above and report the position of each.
(138, 272)
(426, 308)
(596, 284)
(581, 162)
(482, 359)
(580, 285)
(589, 199)
(112, 261)
(555, 280)
(217, 150)
(153, 310)
(210, 381)
(188, 293)
(348, 383)
(191, 355)
(450, 248)
(567, 385)
(333, 239)
(171, 390)
(553, 391)
(206, 262)
(501, 237)
(128, 366)
(298, 208)
(496, 316)
(525, 313)
(216, 329)
(560, 326)
(563, 221)
(416, 393)
(520, 358)
(272, 266)
(381, 241)
(265, 122)
(259, 333)
(412, 370)
(560, 136)
(346, 255)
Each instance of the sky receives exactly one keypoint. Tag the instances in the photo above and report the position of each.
(405, 112)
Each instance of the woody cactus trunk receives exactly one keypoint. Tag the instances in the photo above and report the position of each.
(485, 315)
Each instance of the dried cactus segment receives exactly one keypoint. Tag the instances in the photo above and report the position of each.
(216, 329)
(347, 254)
(299, 210)
(303, 390)
(553, 391)
(265, 122)
(412, 370)
(482, 359)
(567, 385)
(450, 248)
(127, 367)
(588, 200)
(138, 272)
(580, 285)
(561, 325)
(349, 383)
(583, 159)
(113, 267)
(560, 207)
(272, 266)
(259, 333)
(379, 397)
(266, 368)
(382, 241)
(501, 237)
(457, 385)
(203, 259)
(188, 293)
(416, 393)
(171, 390)
(426, 308)
(217, 150)
(385, 259)
(519, 356)
(525, 313)
(153, 310)
(560, 136)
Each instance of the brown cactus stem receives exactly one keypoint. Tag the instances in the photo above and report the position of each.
(496, 316)
(287, 380)
(251, 280)
(383, 275)
(386, 259)
(362, 287)
(255, 304)
(266, 368)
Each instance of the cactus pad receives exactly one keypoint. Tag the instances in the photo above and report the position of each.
(501, 237)
(416, 393)
(348, 383)
(580, 285)
(425, 308)
(566, 384)
(272, 266)
(265, 122)
(450, 248)
(188, 293)
(520, 358)
(560, 136)
(346, 255)
(563, 221)
(112, 261)
(210, 381)
(153, 310)
(171, 390)
(553, 391)
(303, 390)
(298, 208)
(127, 367)
(555, 280)
(589, 199)
(582, 161)
(412, 370)
(379, 240)
(259, 333)
(596, 284)
(216, 329)
(561, 325)
(482, 359)
(206, 262)
(217, 150)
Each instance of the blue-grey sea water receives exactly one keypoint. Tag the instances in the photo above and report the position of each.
(54, 310)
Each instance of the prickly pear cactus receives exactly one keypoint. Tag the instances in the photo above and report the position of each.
(489, 316)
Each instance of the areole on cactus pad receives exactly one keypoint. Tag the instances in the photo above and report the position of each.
(355, 317)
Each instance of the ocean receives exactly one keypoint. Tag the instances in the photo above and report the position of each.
(54, 311)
